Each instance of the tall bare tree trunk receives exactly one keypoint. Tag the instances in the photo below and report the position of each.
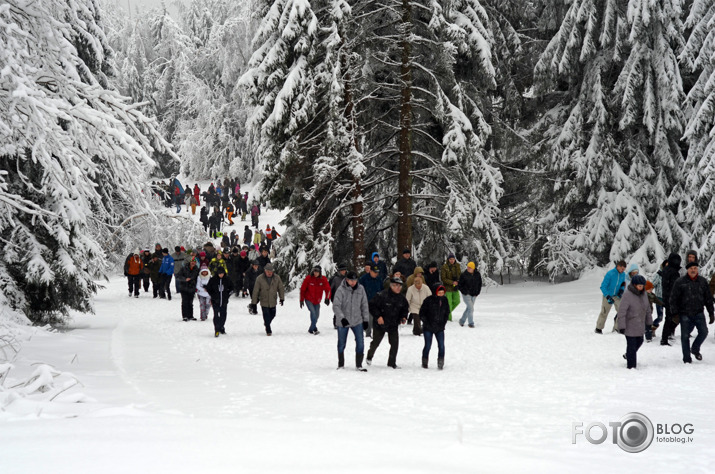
(404, 203)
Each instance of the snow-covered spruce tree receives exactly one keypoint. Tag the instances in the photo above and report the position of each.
(71, 155)
(430, 67)
(617, 159)
(698, 203)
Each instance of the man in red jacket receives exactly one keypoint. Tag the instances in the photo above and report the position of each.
(311, 294)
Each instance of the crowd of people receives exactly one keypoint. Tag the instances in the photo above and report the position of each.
(374, 304)
(680, 296)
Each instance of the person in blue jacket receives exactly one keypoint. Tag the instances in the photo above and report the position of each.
(382, 267)
(372, 283)
(612, 288)
(166, 273)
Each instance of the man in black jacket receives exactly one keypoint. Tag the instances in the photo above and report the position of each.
(186, 281)
(470, 285)
(389, 309)
(670, 274)
(406, 266)
(690, 293)
(220, 288)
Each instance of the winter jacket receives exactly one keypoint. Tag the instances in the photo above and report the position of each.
(411, 278)
(470, 283)
(251, 275)
(431, 278)
(634, 312)
(434, 313)
(406, 267)
(201, 284)
(240, 265)
(382, 267)
(391, 306)
(179, 260)
(415, 297)
(449, 274)
(371, 285)
(350, 303)
(187, 272)
(247, 236)
(313, 288)
(612, 283)
(263, 261)
(134, 265)
(631, 268)
(216, 264)
(167, 265)
(268, 291)
(255, 210)
(220, 289)
(335, 283)
(670, 274)
(690, 296)
(154, 266)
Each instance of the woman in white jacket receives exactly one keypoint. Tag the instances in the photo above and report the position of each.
(204, 297)
(416, 294)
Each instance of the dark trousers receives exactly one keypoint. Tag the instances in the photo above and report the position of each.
(632, 345)
(428, 344)
(669, 326)
(219, 316)
(268, 315)
(187, 305)
(165, 285)
(146, 279)
(416, 324)
(135, 284)
(687, 323)
(393, 338)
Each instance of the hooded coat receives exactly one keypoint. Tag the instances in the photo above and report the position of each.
(670, 274)
(434, 313)
(634, 312)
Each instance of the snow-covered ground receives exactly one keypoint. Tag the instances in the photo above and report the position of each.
(162, 395)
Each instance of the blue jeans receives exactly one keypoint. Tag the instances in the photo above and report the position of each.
(659, 311)
(343, 338)
(687, 323)
(314, 315)
(469, 312)
(428, 344)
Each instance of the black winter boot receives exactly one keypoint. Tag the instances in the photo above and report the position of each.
(358, 363)
(341, 361)
(440, 364)
(424, 362)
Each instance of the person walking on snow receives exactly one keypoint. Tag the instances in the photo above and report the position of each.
(671, 273)
(220, 288)
(311, 294)
(434, 314)
(134, 269)
(416, 294)
(269, 291)
(406, 266)
(204, 297)
(187, 276)
(690, 294)
(451, 271)
(335, 283)
(382, 267)
(352, 313)
(611, 289)
(633, 315)
(388, 309)
(373, 285)
(470, 285)
(166, 273)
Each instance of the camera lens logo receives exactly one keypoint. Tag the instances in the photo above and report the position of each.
(635, 433)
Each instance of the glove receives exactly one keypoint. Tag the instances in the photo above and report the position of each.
(365, 325)
(712, 319)
(252, 309)
(676, 319)
(302, 304)
(609, 299)
(281, 302)
(622, 331)
(344, 322)
(327, 301)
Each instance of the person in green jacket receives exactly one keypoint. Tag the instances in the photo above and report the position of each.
(451, 271)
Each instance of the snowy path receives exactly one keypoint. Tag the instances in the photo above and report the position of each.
(504, 403)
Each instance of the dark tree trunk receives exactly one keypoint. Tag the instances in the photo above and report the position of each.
(404, 203)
